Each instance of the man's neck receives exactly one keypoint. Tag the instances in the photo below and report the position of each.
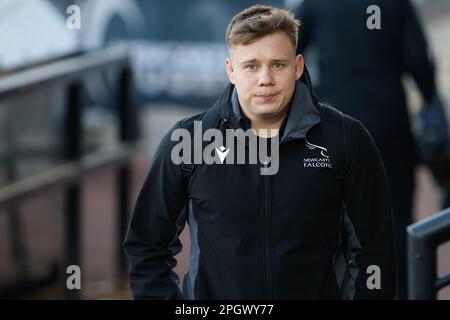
(267, 128)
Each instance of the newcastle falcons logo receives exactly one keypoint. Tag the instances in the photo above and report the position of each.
(311, 146)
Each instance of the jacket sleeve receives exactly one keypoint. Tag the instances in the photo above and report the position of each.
(152, 240)
(368, 220)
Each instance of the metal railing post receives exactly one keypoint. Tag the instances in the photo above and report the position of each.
(422, 269)
(18, 246)
(72, 152)
(128, 133)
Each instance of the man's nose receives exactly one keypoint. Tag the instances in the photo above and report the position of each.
(265, 77)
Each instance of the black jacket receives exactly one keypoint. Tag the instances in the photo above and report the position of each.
(259, 236)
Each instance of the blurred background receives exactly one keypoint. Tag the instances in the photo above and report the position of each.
(86, 96)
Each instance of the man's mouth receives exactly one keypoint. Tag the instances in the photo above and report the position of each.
(265, 97)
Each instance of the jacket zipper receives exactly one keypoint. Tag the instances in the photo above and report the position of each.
(265, 202)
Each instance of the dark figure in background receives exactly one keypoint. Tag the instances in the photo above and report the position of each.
(360, 72)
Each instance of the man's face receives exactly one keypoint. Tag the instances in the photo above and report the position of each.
(264, 74)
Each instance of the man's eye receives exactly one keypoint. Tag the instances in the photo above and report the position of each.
(250, 67)
(278, 65)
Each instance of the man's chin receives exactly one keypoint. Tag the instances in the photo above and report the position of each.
(269, 115)
(267, 110)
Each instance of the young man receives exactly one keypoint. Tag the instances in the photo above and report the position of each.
(291, 226)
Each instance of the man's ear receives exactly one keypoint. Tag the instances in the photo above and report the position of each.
(230, 70)
(299, 66)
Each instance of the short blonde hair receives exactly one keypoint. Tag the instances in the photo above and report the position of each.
(258, 21)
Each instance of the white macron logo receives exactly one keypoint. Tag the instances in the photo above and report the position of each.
(191, 147)
(222, 153)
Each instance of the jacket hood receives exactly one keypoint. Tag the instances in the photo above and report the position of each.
(303, 114)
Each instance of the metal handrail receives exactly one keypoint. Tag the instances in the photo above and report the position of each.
(424, 237)
(65, 174)
(69, 69)
(72, 72)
